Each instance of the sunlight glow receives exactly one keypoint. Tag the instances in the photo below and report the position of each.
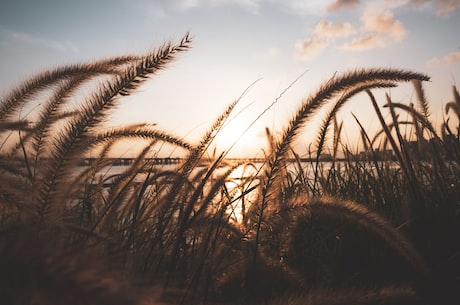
(240, 181)
(236, 136)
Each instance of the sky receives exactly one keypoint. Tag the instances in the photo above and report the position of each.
(280, 50)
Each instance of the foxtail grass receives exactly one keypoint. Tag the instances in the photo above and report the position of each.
(85, 233)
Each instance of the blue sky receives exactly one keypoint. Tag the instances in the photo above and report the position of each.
(236, 43)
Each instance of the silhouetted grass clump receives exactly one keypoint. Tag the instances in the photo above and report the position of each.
(375, 228)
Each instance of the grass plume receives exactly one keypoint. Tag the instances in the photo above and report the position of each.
(210, 229)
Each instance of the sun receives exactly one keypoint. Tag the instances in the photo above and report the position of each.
(231, 133)
(239, 137)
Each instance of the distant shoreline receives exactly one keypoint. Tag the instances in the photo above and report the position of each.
(177, 160)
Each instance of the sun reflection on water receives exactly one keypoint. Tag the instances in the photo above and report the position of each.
(242, 185)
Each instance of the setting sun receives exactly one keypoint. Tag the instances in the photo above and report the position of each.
(238, 136)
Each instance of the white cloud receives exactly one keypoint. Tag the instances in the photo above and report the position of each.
(379, 30)
(339, 5)
(151, 10)
(12, 37)
(363, 43)
(326, 29)
(444, 7)
(310, 48)
(301, 7)
(384, 23)
(440, 7)
(252, 6)
(324, 34)
(189, 3)
(450, 58)
(268, 54)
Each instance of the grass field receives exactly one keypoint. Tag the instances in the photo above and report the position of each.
(380, 231)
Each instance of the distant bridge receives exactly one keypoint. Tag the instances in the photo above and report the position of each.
(129, 161)
(177, 160)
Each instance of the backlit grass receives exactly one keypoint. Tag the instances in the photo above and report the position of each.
(375, 229)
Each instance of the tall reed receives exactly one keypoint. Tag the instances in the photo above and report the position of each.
(176, 230)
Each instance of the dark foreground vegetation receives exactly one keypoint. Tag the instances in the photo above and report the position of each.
(385, 231)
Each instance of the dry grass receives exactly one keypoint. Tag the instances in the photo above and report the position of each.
(71, 235)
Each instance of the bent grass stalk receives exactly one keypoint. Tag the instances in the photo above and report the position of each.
(306, 110)
(174, 227)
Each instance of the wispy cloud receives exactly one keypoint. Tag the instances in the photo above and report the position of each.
(379, 29)
(363, 43)
(327, 29)
(339, 5)
(189, 3)
(440, 7)
(295, 7)
(324, 34)
(252, 6)
(300, 7)
(450, 58)
(383, 22)
(310, 48)
(151, 10)
(11, 37)
(268, 54)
